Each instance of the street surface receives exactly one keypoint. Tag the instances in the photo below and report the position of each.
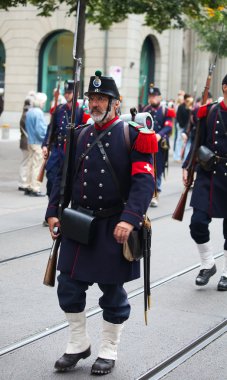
(180, 312)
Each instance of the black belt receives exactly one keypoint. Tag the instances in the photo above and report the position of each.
(59, 139)
(104, 213)
(219, 159)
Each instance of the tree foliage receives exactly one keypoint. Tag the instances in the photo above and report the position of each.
(212, 29)
(205, 16)
(159, 14)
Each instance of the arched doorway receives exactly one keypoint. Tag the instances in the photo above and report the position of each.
(55, 60)
(147, 70)
(2, 65)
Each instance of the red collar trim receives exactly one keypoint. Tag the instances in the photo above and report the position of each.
(106, 125)
(222, 104)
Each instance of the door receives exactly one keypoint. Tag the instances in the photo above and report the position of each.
(147, 69)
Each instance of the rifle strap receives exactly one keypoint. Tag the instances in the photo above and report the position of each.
(127, 137)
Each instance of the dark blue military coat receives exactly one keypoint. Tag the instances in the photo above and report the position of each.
(163, 124)
(95, 189)
(210, 188)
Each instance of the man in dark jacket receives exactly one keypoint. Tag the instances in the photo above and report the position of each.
(118, 210)
(209, 195)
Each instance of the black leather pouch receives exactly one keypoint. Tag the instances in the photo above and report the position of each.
(133, 248)
(78, 225)
(206, 158)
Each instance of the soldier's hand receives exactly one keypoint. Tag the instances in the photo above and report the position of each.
(185, 177)
(53, 222)
(45, 152)
(122, 231)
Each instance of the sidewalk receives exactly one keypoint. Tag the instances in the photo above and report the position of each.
(11, 134)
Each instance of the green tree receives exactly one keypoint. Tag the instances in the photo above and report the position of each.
(159, 14)
(205, 16)
(211, 28)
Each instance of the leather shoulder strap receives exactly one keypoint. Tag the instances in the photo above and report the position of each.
(127, 137)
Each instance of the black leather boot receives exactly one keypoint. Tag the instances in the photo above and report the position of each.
(204, 275)
(69, 361)
(102, 366)
(222, 285)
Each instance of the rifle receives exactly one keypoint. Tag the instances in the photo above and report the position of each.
(49, 278)
(50, 274)
(50, 134)
(179, 210)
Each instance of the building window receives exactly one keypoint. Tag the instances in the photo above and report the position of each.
(55, 61)
(2, 65)
(147, 70)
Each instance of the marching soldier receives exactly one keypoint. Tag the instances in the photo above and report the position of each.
(107, 185)
(163, 124)
(209, 196)
(61, 119)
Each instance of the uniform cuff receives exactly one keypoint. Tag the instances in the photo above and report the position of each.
(52, 211)
(133, 218)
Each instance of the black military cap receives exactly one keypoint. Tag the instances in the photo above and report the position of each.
(224, 80)
(68, 85)
(154, 90)
(102, 85)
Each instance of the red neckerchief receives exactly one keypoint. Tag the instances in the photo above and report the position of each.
(106, 125)
(222, 104)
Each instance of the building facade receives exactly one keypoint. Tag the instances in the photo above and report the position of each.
(35, 51)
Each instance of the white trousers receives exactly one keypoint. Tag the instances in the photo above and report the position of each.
(35, 159)
(23, 169)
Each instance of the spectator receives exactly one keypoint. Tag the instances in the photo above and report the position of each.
(36, 129)
(182, 121)
(23, 182)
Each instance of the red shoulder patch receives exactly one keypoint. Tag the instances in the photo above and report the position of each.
(146, 143)
(85, 118)
(142, 167)
(171, 112)
(202, 111)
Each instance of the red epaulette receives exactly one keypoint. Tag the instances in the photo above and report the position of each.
(146, 142)
(171, 112)
(85, 118)
(202, 111)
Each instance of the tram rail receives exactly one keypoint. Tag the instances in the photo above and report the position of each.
(93, 311)
(46, 249)
(172, 362)
(40, 224)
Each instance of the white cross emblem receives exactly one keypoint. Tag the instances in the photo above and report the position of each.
(148, 167)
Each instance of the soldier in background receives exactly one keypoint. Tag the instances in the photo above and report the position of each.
(209, 195)
(57, 128)
(163, 124)
(118, 210)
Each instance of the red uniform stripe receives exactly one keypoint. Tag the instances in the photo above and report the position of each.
(168, 123)
(142, 167)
